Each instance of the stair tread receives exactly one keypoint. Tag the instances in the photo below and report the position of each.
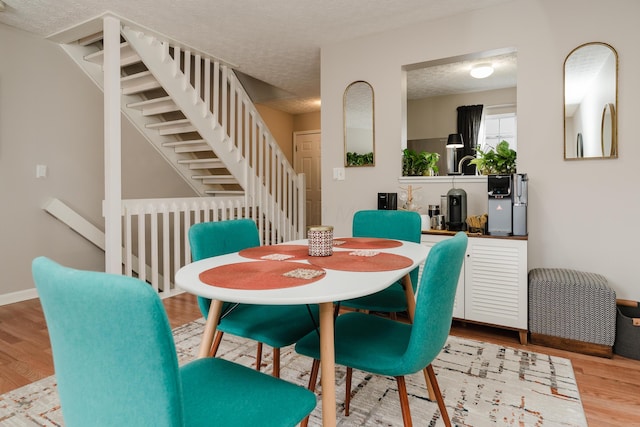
(184, 143)
(168, 123)
(90, 39)
(128, 56)
(196, 161)
(202, 148)
(150, 107)
(139, 82)
(230, 192)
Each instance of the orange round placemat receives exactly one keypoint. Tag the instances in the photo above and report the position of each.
(294, 252)
(260, 275)
(344, 261)
(366, 243)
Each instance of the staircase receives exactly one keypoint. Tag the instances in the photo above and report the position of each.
(194, 111)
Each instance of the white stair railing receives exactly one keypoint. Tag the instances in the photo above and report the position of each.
(162, 225)
(158, 231)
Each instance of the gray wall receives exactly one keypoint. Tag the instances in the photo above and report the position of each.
(581, 212)
(51, 113)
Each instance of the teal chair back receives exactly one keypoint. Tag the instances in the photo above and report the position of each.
(434, 302)
(113, 352)
(208, 239)
(389, 224)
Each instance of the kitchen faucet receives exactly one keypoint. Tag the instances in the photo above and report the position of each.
(468, 157)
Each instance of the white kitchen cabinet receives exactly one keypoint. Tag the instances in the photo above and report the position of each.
(458, 306)
(492, 288)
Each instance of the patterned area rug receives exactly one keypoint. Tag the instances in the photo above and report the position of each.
(483, 385)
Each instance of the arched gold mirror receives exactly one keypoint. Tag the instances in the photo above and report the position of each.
(359, 133)
(590, 102)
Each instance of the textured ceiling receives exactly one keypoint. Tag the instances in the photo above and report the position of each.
(274, 41)
(453, 77)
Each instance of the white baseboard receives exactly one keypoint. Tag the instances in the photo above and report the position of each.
(20, 296)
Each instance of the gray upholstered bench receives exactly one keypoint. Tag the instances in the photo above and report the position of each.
(572, 310)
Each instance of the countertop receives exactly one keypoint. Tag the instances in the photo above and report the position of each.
(488, 236)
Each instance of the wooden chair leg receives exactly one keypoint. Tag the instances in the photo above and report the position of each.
(313, 376)
(276, 362)
(439, 399)
(313, 379)
(258, 356)
(432, 395)
(216, 344)
(347, 392)
(404, 402)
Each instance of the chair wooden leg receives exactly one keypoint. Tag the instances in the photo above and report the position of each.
(347, 392)
(276, 362)
(313, 376)
(258, 356)
(313, 379)
(216, 344)
(432, 395)
(439, 399)
(404, 402)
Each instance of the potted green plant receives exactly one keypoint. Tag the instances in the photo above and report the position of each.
(355, 159)
(419, 164)
(501, 161)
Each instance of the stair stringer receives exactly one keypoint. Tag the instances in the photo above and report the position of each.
(95, 73)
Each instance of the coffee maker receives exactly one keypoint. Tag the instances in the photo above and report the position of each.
(456, 209)
(507, 204)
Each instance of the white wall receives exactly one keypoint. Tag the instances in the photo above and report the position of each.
(581, 212)
(51, 114)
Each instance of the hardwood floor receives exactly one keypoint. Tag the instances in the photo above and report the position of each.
(609, 388)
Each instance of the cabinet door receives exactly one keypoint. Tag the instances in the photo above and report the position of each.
(458, 306)
(496, 282)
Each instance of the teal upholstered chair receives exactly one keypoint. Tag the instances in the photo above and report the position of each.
(388, 347)
(389, 224)
(116, 365)
(275, 325)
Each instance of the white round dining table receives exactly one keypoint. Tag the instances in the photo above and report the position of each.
(332, 286)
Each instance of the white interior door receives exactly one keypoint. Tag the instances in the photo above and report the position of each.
(306, 147)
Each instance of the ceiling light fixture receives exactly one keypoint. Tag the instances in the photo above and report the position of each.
(481, 71)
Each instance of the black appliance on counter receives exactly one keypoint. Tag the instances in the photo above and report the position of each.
(456, 209)
(507, 204)
(388, 201)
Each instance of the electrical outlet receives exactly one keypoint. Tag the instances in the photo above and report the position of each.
(338, 174)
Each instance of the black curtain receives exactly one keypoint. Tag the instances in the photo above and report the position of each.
(469, 118)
